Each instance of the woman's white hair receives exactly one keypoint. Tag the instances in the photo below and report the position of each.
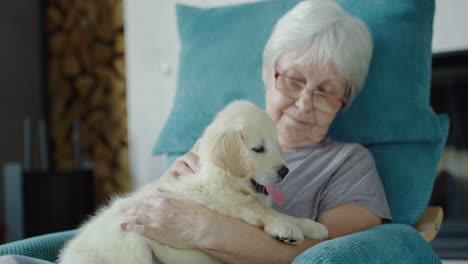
(319, 32)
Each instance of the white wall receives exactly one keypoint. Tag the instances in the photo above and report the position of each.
(151, 45)
(152, 48)
(450, 25)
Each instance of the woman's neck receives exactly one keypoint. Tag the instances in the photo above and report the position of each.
(290, 145)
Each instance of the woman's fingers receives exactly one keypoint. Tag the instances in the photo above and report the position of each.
(188, 161)
(165, 193)
(186, 164)
(142, 224)
(191, 160)
(143, 230)
(141, 208)
(183, 170)
(179, 168)
(140, 219)
(196, 147)
(167, 201)
(168, 218)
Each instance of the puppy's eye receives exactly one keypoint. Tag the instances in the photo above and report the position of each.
(259, 149)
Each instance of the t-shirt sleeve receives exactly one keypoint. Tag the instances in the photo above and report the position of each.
(356, 181)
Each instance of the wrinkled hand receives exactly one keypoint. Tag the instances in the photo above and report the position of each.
(186, 164)
(169, 219)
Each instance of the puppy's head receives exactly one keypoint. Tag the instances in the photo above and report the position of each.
(242, 140)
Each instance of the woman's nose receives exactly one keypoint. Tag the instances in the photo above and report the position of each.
(305, 102)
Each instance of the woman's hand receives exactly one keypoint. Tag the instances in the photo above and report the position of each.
(184, 165)
(171, 220)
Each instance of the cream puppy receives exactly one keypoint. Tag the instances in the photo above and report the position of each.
(240, 160)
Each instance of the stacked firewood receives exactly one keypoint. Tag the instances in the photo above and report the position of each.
(86, 81)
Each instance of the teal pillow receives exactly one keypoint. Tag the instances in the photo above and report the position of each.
(220, 61)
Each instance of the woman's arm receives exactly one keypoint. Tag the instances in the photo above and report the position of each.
(234, 241)
(174, 221)
(180, 223)
(347, 219)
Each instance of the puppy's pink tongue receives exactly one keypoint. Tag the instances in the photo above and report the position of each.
(275, 193)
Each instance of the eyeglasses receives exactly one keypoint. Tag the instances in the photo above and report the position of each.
(323, 102)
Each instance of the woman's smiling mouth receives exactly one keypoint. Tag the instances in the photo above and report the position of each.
(296, 120)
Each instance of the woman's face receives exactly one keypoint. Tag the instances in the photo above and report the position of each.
(299, 124)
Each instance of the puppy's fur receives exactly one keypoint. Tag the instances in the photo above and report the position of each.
(239, 154)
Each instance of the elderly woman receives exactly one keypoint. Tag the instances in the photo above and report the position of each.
(314, 65)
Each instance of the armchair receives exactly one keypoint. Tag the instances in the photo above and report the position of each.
(367, 245)
(391, 117)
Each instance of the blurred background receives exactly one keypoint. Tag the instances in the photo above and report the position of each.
(85, 88)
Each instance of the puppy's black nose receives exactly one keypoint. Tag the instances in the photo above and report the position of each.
(283, 171)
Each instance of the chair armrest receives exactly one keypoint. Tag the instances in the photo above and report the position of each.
(429, 224)
(45, 247)
(389, 243)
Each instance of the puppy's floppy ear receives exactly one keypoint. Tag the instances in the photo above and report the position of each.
(229, 152)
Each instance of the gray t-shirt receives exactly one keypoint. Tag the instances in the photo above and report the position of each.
(326, 175)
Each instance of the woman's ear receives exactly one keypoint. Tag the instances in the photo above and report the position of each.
(229, 152)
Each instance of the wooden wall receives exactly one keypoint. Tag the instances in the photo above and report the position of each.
(86, 82)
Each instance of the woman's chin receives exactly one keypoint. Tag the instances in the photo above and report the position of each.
(291, 132)
(295, 135)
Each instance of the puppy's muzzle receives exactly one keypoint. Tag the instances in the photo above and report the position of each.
(282, 172)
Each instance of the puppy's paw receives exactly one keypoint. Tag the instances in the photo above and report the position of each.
(312, 229)
(284, 231)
